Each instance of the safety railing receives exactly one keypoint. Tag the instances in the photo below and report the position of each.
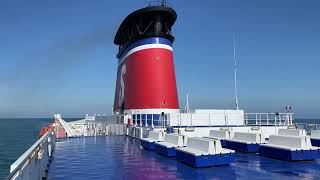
(226, 118)
(213, 119)
(154, 120)
(34, 162)
(275, 119)
(110, 119)
(222, 118)
(307, 126)
(150, 120)
(159, 3)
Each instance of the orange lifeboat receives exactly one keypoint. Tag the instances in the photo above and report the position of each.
(45, 129)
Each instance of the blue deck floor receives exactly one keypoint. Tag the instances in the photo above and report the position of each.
(121, 157)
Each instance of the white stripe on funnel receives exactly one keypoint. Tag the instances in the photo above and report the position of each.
(143, 47)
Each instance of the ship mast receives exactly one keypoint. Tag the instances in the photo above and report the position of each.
(235, 74)
(187, 108)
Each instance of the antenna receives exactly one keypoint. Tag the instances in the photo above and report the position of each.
(187, 108)
(235, 73)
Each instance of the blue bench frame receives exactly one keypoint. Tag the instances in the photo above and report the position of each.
(163, 150)
(205, 160)
(148, 145)
(223, 143)
(288, 155)
(315, 142)
(242, 147)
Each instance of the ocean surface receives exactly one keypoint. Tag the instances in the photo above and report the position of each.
(17, 135)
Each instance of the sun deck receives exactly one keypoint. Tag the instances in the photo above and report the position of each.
(120, 157)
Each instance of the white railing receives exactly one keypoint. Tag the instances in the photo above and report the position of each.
(218, 119)
(111, 119)
(159, 3)
(307, 126)
(276, 119)
(152, 120)
(34, 162)
(224, 118)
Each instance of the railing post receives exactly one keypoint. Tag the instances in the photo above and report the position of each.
(227, 120)
(33, 167)
(179, 119)
(188, 119)
(267, 118)
(246, 119)
(49, 146)
(136, 120)
(209, 120)
(146, 120)
(152, 121)
(140, 120)
(260, 119)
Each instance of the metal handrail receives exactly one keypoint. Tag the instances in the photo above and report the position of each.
(190, 119)
(268, 118)
(47, 139)
(159, 3)
(307, 126)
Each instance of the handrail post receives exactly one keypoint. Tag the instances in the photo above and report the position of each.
(260, 119)
(191, 120)
(209, 120)
(146, 120)
(246, 120)
(179, 119)
(135, 121)
(152, 121)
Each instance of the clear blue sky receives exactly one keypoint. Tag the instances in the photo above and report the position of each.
(58, 56)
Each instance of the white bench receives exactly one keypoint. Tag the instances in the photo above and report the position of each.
(256, 138)
(289, 142)
(220, 134)
(154, 136)
(172, 140)
(315, 134)
(131, 131)
(292, 132)
(199, 146)
(138, 132)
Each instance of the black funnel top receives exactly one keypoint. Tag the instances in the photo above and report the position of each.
(153, 21)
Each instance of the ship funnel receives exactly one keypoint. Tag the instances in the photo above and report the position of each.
(146, 80)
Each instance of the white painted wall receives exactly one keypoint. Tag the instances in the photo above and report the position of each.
(208, 117)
